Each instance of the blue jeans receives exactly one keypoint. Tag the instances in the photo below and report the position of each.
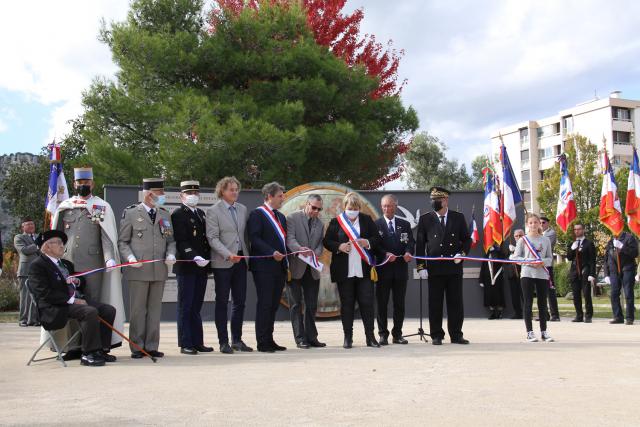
(230, 280)
(627, 286)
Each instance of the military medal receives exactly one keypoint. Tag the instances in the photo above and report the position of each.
(195, 233)
(165, 227)
(140, 219)
(140, 234)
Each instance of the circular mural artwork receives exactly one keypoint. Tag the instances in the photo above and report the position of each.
(332, 194)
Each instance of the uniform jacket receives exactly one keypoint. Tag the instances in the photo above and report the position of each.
(189, 231)
(399, 243)
(434, 241)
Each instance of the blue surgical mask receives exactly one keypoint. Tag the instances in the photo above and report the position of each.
(160, 200)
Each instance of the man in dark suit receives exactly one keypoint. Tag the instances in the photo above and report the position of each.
(398, 245)
(267, 235)
(443, 233)
(619, 267)
(25, 244)
(189, 231)
(582, 273)
(59, 297)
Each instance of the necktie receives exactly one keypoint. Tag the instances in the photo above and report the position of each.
(442, 221)
(234, 215)
(391, 230)
(152, 215)
(310, 219)
(63, 269)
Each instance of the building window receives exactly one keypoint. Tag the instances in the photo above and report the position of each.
(524, 137)
(619, 113)
(620, 137)
(548, 152)
(567, 125)
(548, 130)
(526, 179)
(524, 155)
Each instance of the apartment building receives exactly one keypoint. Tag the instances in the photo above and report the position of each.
(533, 146)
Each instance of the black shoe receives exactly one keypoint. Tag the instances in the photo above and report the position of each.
(498, 314)
(460, 341)
(92, 359)
(110, 358)
(348, 342)
(384, 340)
(555, 319)
(137, 355)
(189, 350)
(587, 320)
(23, 324)
(303, 345)
(628, 322)
(316, 343)
(203, 348)
(155, 353)
(616, 321)
(226, 348)
(436, 341)
(372, 342)
(241, 346)
(266, 348)
(400, 340)
(36, 324)
(577, 319)
(277, 347)
(72, 355)
(493, 315)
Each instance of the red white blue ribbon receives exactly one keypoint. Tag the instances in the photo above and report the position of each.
(353, 236)
(535, 252)
(271, 216)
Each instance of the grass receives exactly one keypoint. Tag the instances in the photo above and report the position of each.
(9, 317)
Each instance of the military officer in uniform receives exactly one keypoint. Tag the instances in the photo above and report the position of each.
(145, 234)
(443, 233)
(189, 228)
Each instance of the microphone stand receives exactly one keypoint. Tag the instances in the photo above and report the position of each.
(421, 333)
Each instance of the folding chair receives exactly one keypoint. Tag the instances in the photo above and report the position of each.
(49, 337)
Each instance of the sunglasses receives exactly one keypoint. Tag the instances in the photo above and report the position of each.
(315, 208)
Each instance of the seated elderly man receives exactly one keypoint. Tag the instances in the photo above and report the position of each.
(59, 297)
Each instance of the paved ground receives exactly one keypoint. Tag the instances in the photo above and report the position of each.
(590, 376)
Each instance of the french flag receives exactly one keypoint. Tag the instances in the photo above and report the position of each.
(632, 206)
(473, 230)
(58, 190)
(511, 195)
(491, 226)
(610, 210)
(566, 211)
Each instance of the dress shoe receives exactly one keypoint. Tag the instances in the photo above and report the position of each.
(241, 346)
(36, 324)
(400, 340)
(277, 347)
(92, 359)
(226, 348)
(555, 319)
(498, 314)
(348, 342)
(384, 340)
(23, 324)
(316, 343)
(460, 341)
(155, 353)
(372, 342)
(587, 320)
(628, 322)
(493, 315)
(203, 348)
(303, 345)
(577, 319)
(266, 348)
(189, 350)
(137, 355)
(616, 321)
(72, 355)
(110, 358)
(436, 341)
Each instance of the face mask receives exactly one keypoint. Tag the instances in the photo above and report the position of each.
(351, 213)
(159, 200)
(436, 205)
(192, 200)
(83, 190)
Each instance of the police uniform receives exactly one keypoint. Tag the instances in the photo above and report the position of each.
(443, 237)
(189, 229)
(146, 233)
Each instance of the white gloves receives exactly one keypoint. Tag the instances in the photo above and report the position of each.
(481, 285)
(457, 259)
(201, 261)
(575, 245)
(607, 280)
(170, 260)
(512, 248)
(111, 263)
(637, 278)
(134, 260)
(591, 279)
(424, 274)
(617, 243)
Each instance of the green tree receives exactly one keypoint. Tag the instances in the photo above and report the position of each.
(256, 97)
(479, 163)
(427, 165)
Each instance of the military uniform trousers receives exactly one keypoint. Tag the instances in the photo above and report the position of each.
(27, 305)
(191, 289)
(451, 286)
(145, 309)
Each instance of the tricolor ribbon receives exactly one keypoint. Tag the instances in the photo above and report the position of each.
(535, 253)
(353, 236)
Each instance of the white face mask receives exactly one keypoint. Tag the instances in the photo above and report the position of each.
(351, 213)
(192, 200)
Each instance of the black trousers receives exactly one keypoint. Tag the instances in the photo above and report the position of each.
(303, 317)
(354, 289)
(95, 334)
(541, 286)
(269, 285)
(384, 288)
(191, 290)
(581, 286)
(451, 286)
(553, 297)
(232, 280)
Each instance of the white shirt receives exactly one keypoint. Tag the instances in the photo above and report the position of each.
(147, 208)
(56, 261)
(355, 262)
(446, 215)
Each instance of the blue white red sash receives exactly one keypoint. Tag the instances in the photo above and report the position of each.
(535, 253)
(273, 220)
(353, 236)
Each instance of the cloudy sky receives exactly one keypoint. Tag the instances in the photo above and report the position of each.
(471, 66)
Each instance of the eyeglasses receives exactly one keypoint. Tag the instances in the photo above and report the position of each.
(315, 208)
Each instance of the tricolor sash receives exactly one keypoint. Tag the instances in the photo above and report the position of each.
(275, 223)
(353, 236)
(535, 253)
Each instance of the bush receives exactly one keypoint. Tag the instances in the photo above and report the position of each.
(9, 299)
(561, 278)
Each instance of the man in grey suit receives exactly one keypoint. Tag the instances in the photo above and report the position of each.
(226, 222)
(304, 233)
(27, 249)
(146, 233)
